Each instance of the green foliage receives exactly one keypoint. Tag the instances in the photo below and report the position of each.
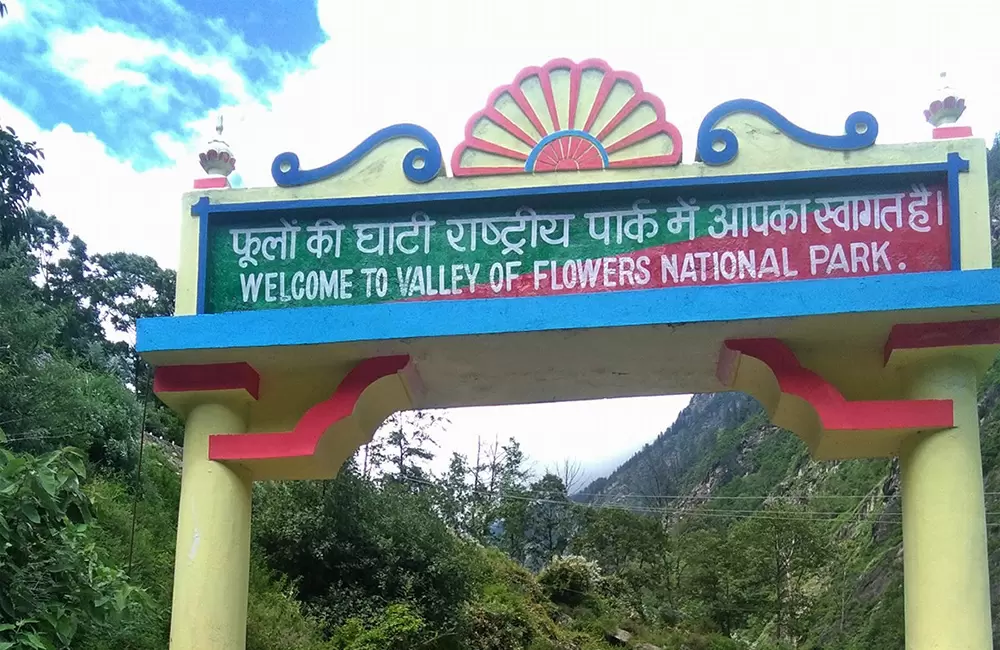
(276, 620)
(398, 627)
(355, 548)
(152, 548)
(550, 521)
(570, 579)
(19, 162)
(56, 582)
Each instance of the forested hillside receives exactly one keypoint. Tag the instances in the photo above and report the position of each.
(721, 456)
(685, 546)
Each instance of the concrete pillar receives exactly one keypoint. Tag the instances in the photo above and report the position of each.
(212, 564)
(946, 572)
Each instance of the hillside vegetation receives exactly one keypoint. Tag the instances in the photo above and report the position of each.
(687, 545)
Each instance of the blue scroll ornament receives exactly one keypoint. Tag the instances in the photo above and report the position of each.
(286, 172)
(860, 131)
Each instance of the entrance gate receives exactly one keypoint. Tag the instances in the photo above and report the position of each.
(570, 255)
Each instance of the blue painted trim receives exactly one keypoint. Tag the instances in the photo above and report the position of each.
(689, 182)
(670, 306)
(708, 134)
(529, 164)
(956, 165)
(429, 153)
(201, 210)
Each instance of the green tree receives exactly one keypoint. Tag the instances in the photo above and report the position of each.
(512, 501)
(784, 551)
(406, 441)
(456, 494)
(617, 537)
(549, 521)
(355, 547)
(718, 578)
(19, 163)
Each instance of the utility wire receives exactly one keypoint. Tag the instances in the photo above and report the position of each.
(796, 515)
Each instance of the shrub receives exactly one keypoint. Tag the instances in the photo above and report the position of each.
(398, 628)
(56, 584)
(570, 579)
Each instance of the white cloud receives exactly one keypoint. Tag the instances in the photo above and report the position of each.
(15, 14)
(100, 59)
(434, 63)
(598, 434)
(106, 202)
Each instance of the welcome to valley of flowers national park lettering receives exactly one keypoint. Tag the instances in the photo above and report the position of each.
(639, 244)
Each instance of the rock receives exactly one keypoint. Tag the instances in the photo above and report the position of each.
(619, 637)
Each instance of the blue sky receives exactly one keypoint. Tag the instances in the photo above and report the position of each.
(126, 70)
(122, 95)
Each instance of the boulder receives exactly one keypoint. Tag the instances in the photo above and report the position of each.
(619, 637)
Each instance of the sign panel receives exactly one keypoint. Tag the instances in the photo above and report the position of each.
(438, 251)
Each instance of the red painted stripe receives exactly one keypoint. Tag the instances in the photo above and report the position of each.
(622, 113)
(505, 122)
(490, 147)
(550, 100)
(602, 96)
(305, 437)
(917, 336)
(949, 132)
(575, 74)
(211, 183)
(219, 376)
(525, 106)
(836, 413)
(644, 133)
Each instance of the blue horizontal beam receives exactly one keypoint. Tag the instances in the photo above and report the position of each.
(668, 306)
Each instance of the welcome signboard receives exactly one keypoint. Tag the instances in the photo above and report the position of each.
(509, 247)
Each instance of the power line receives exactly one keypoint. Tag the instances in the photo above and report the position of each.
(796, 515)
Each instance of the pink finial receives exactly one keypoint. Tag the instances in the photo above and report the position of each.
(217, 160)
(945, 111)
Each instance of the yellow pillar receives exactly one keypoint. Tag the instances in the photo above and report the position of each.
(212, 564)
(946, 573)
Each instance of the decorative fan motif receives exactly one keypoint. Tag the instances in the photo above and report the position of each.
(567, 116)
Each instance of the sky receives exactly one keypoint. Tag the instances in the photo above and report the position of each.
(122, 94)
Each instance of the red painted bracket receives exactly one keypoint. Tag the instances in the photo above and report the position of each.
(918, 336)
(305, 437)
(835, 413)
(210, 377)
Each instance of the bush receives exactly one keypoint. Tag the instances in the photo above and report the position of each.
(353, 549)
(398, 628)
(56, 584)
(570, 580)
(275, 620)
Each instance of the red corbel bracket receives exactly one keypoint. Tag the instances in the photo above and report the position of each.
(304, 439)
(836, 418)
